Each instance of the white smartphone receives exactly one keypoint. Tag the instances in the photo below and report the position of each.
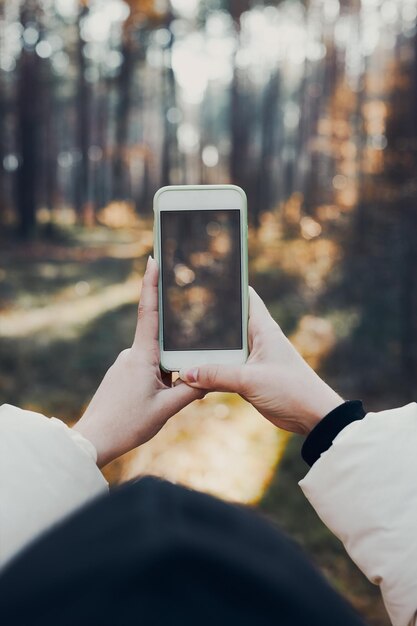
(200, 243)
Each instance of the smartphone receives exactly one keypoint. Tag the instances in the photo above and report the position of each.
(200, 243)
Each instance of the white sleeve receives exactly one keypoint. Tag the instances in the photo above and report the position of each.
(364, 488)
(47, 471)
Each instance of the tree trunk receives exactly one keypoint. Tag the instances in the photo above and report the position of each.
(83, 129)
(122, 122)
(27, 138)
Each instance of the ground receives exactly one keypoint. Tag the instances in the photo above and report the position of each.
(68, 306)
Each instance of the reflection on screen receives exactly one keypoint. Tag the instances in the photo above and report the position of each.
(201, 280)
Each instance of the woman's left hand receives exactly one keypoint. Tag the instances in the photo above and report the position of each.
(135, 399)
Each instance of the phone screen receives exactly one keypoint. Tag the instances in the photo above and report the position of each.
(201, 279)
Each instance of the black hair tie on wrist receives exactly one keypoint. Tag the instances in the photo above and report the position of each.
(321, 437)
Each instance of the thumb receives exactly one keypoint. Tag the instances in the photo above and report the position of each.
(215, 377)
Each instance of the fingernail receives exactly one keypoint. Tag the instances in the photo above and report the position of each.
(190, 376)
(148, 261)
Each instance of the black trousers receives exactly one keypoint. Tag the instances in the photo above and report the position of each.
(153, 553)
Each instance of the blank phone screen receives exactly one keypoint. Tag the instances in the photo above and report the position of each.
(201, 279)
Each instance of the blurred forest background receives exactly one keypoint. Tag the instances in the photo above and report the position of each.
(311, 108)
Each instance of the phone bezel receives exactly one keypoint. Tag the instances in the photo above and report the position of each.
(192, 197)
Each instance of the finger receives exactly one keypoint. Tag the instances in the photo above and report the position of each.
(180, 396)
(260, 319)
(147, 326)
(215, 377)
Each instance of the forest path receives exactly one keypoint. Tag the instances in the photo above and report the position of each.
(60, 318)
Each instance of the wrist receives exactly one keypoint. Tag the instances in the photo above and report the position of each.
(88, 429)
(321, 400)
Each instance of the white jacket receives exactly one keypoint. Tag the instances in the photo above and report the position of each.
(363, 489)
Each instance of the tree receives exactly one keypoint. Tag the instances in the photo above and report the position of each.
(143, 16)
(28, 118)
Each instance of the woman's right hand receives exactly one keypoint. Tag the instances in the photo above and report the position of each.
(275, 378)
